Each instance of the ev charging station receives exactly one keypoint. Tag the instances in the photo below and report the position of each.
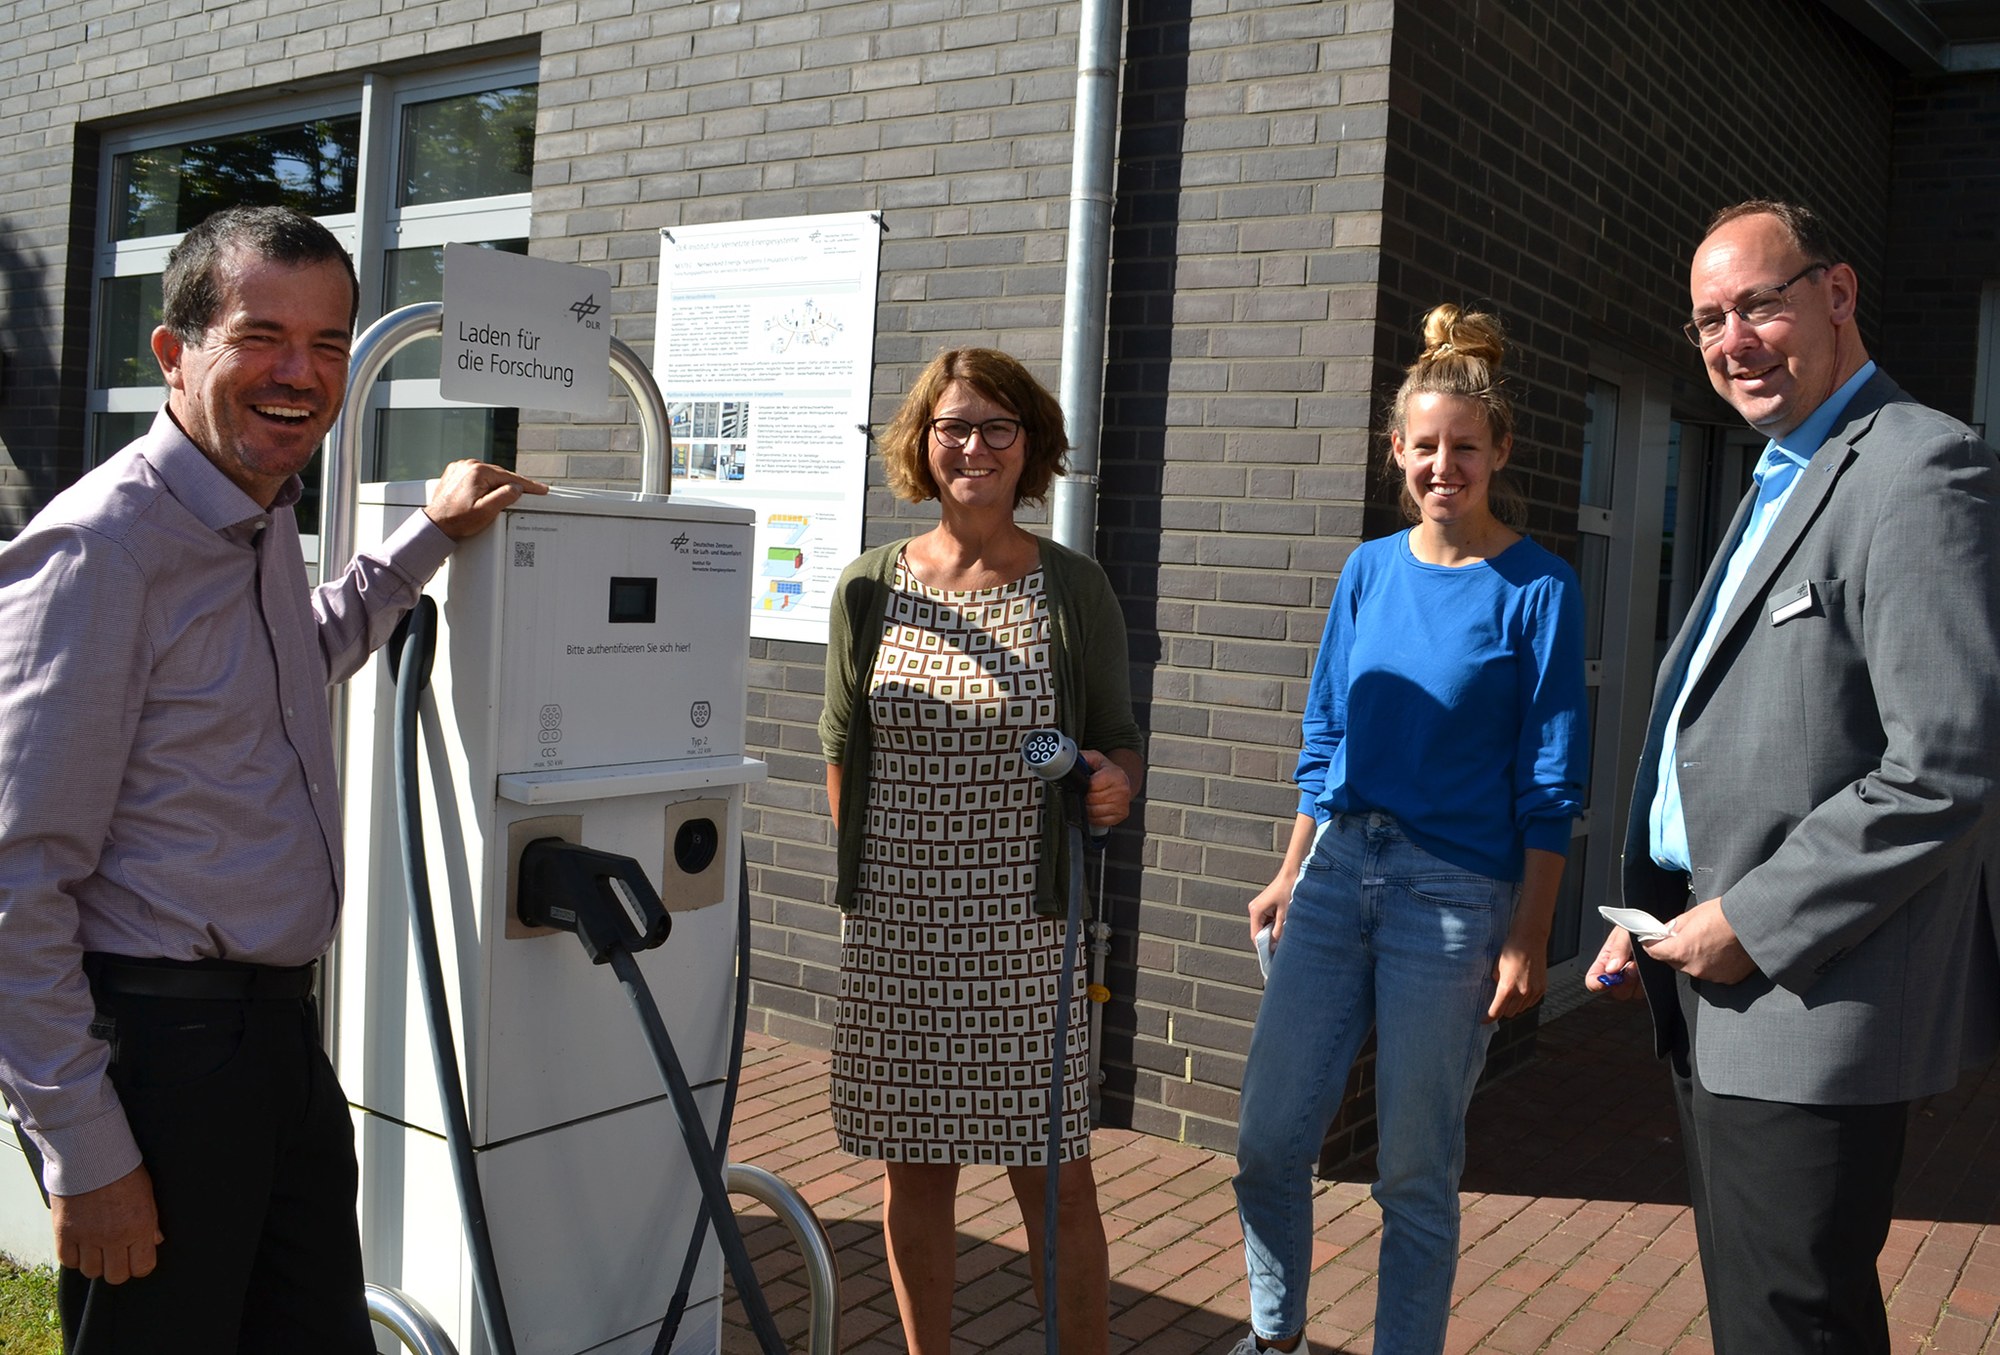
(590, 687)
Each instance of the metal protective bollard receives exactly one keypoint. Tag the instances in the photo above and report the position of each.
(822, 1272)
(409, 1320)
(419, 1332)
(341, 452)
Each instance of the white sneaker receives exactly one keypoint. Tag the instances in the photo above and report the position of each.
(1248, 1346)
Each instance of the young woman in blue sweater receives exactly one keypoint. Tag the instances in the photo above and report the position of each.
(1444, 759)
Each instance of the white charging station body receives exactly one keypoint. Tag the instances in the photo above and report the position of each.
(589, 685)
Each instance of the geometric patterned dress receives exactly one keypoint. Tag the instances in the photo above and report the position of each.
(947, 976)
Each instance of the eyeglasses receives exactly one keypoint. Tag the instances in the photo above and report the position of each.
(1755, 310)
(997, 434)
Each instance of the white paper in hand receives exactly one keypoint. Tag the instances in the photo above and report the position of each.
(1642, 924)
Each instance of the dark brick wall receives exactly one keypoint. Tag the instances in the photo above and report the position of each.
(1944, 237)
(1560, 159)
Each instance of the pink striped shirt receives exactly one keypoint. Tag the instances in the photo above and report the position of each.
(167, 780)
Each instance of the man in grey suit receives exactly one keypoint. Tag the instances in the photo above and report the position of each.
(1813, 796)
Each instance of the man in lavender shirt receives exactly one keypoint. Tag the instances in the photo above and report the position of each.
(170, 854)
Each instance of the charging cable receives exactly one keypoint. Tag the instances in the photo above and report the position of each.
(1052, 755)
(411, 655)
(740, 1023)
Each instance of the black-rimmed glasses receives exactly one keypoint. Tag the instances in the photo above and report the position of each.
(1756, 309)
(997, 434)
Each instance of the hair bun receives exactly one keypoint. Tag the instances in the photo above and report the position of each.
(1451, 332)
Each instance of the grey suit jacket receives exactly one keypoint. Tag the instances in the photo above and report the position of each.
(1838, 757)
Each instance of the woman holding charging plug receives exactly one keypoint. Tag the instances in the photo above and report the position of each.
(944, 651)
(1444, 759)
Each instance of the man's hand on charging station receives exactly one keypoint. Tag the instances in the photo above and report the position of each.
(471, 494)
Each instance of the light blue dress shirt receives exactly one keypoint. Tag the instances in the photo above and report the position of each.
(1777, 472)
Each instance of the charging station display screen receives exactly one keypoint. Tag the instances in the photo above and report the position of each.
(619, 636)
(634, 601)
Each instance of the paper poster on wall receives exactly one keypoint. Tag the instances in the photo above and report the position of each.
(765, 353)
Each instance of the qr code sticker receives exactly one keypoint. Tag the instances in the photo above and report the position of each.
(524, 555)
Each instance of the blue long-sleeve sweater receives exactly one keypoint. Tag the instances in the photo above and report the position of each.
(1452, 699)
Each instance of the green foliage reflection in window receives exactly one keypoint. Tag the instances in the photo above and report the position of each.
(468, 146)
(128, 311)
(165, 190)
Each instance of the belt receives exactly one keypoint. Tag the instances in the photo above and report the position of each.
(197, 980)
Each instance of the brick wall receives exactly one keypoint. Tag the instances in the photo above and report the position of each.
(1561, 158)
(45, 167)
(1944, 238)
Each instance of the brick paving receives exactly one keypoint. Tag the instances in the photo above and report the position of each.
(1577, 1235)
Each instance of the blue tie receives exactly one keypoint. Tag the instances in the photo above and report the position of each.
(1773, 476)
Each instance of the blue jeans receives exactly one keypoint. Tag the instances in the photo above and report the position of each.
(1379, 933)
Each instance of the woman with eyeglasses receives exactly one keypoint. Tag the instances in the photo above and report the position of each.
(1444, 733)
(944, 650)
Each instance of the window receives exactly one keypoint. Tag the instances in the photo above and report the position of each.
(396, 169)
(165, 190)
(1626, 449)
(1708, 470)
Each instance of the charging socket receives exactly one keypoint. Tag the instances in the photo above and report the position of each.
(694, 869)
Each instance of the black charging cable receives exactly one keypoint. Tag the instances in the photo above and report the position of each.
(1052, 755)
(412, 650)
(740, 1024)
(707, 1164)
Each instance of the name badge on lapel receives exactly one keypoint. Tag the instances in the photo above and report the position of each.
(1795, 602)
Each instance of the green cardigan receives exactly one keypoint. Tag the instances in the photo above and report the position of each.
(1089, 666)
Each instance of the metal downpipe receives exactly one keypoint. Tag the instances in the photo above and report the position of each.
(1087, 270)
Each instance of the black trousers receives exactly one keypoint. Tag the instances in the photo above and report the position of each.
(245, 1132)
(1792, 1205)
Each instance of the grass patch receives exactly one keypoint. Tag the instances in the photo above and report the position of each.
(28, 1324)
